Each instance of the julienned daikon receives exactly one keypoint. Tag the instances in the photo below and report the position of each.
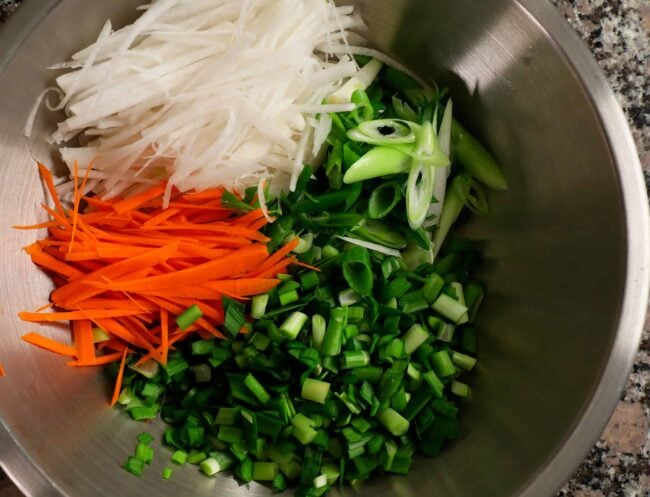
(209, 92)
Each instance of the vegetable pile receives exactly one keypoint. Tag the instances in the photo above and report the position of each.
(131, 275)
(212, 92)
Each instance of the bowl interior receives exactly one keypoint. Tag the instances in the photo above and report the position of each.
(555, 256)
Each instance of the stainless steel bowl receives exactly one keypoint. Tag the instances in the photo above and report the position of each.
(567, 255)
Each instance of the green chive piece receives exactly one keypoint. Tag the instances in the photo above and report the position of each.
(355, 359)
(190, 316)
(450, 308)
(257, 389)
(463, 361)
(167, 473)
(145, 438)
(333, 339)
(460, 389)
(315, 390)
(265, 471)
(414, 337)
(134, 466)
(179, 457)
(475, 158)
(144, 453)
(258, 305)
(303, 429)
(384, 199)
(357, 270)
(393, 421)
(293, 324)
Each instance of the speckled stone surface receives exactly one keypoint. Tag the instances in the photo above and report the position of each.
(618, 33)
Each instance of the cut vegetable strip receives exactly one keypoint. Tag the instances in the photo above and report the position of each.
(118, 380)
(50, 345)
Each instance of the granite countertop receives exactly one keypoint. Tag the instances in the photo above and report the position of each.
(618, 33)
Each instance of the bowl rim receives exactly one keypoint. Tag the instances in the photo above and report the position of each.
(32, 481)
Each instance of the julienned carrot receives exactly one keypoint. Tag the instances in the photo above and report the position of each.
(239, 262)
(136, 201)
(83, 340)
(50, 345)
(99, 361)
(118, 380)
(2, 371)
(277, 256)
(130, 266)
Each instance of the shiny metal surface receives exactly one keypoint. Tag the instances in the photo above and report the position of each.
(566, 257)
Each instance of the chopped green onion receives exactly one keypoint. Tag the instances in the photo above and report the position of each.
(475, 158)
(333, 339)
(190, 316)
(355, 359)
(258, 305)
(218, 461)
(414, 337)
(144, 453)
(257, 389)
(202, 373)
(309, 280)
(293, 324)
(348, 297)
(303, 429)
(442, 364)
(167, 473)
(434, 382)
(265, 471)
(315, 390)
(99, 335)
(384, 199)
(432, 287)
(393, 421)
(134, 466)
(460, 389)
(179, 457)
(145, 438)
(463, 361)
(357, 270)
(289, 297)
(450, 308)
(376, 163)
(377, 232)
(234, 315)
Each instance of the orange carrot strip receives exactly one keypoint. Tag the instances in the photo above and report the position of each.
(46, 261)
(243, 287)
(217, 227)
(278, 268)
(173, 338)
(78, 290)
(49, 344)
(308, 266)
(277, 256)
(249, 217)
(161, 217)
(34, 317)
(113, 327)
(118, 381)
(99, 361)
(47, 224)
(232, 264)
(48, 179)
(136, 201)
(2, 371)
(83, 340)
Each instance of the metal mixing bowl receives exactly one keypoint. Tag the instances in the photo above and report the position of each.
(566, 258)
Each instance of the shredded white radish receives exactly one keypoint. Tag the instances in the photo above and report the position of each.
(206, 92)
(371, 246)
